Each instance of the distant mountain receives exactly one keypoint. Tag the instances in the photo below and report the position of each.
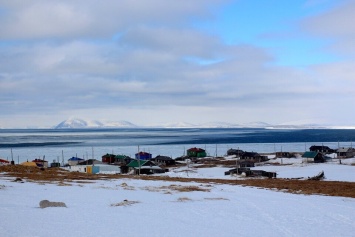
(78, 123)
(81, 123)
(175, 125)
(118, 124)
(219, 125)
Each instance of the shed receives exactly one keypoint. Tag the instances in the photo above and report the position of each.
(41, 163)
(314, 156)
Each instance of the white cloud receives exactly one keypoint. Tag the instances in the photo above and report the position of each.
(335, 25)
(125, 58)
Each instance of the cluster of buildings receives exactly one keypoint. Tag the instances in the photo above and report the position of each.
(319, 154)
(145, 163)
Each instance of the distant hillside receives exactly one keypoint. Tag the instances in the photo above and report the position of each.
(81, 123)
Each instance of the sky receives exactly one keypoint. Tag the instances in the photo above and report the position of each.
(162, 61)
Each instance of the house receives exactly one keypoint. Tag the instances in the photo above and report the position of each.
(90, 162)
(4, 162)
(163, 160)
(254, 156)
(94, 169)
(122, 160)
(108, 158)
(283, 154)
(142, 155)
(323, 149)
(235, 152)
(313, 156)
(41, 163)
(142, 167)
(347, 152)
(74, 160)
(245, 163)
(196, 152)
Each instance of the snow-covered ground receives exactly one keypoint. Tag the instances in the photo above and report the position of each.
(159, 209)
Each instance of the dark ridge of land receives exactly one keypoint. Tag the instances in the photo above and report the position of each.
(307, 187)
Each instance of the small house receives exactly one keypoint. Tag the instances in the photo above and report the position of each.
(108, 158)
(163, 160)
(122, 160)
(323, 149)
(196, 152)
(347, 152)
(142, 155)
(235, 152)
(313, 156)
(90, 162)
(254, 156)
(245, 163)
(142, 167)
(74, 160)
(4, 162)
(54, 164)
(41, 163)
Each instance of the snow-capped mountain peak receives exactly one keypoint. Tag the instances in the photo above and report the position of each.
(78, 123)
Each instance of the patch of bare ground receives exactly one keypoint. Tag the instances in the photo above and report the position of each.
(308, 187)
(176, 188)
(183, 199)
(218, 198)
(124, 203)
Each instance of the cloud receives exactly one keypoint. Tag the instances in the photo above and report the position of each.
(77, 18)
(335, 25)
(123, 59)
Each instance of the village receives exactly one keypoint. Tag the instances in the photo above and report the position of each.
(240, 162)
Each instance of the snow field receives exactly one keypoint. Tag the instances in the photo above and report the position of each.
(223, 210)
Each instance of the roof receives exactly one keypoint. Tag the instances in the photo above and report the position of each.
(39, 160)
(344, 149)
(310, 154)
(90, 162)
(4, 161)
(75, 159)
(250, 154)
(143, 153)
(196, 149)
(122, 157)
(162, 158)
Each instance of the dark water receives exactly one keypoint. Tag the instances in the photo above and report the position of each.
(10, 138)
